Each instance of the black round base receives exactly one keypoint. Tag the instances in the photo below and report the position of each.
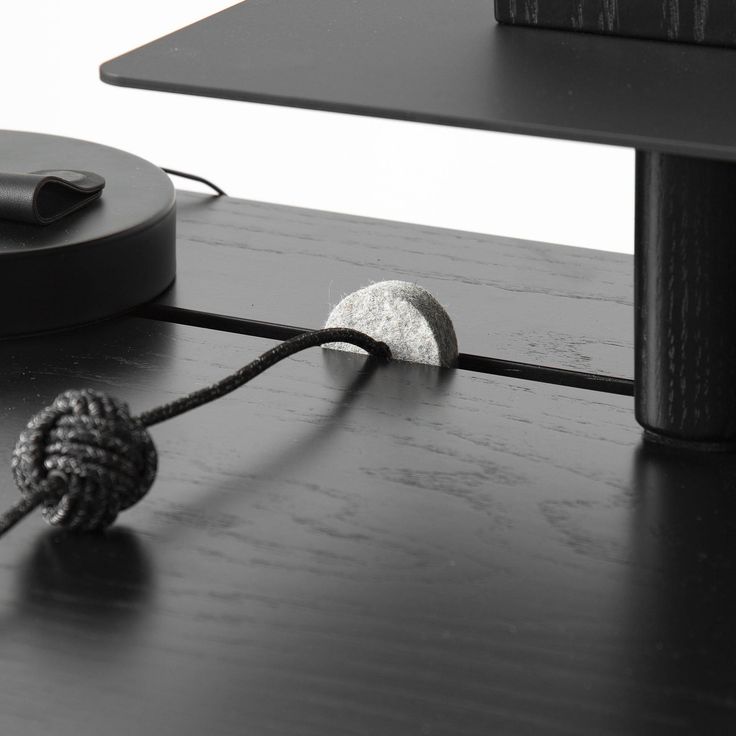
(103, 260)
(675, 443)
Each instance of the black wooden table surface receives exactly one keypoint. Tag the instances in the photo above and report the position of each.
(337, 550)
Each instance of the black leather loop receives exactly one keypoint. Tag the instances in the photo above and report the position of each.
(42, 197)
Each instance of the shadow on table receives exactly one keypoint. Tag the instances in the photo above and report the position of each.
(681, 638)
(84, 585)
(395, 388)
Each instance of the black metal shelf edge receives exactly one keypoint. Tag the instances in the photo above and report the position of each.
(447, 62)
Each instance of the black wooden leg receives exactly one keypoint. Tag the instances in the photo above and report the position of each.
(685, 299)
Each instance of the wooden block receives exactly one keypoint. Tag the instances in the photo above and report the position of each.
(402, 551)
(709, 22)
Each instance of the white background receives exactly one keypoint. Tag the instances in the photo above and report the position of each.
(532, 188)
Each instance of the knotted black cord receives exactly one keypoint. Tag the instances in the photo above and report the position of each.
(85, 458)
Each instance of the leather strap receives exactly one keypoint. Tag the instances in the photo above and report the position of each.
(42, 197)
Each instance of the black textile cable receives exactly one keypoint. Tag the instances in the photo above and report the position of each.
(264, 362)
(84, 458)
(194, 177)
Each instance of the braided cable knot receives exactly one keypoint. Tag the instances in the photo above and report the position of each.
(88, 458)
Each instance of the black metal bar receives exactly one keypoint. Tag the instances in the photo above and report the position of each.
(477, 363)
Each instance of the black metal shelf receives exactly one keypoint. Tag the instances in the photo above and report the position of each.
(448, 62)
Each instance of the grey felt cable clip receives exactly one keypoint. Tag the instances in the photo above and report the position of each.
(403, 315)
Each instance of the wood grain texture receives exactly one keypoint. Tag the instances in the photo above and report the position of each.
(685, 298)
(515, 300)
(691, 21)
(406, 551)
